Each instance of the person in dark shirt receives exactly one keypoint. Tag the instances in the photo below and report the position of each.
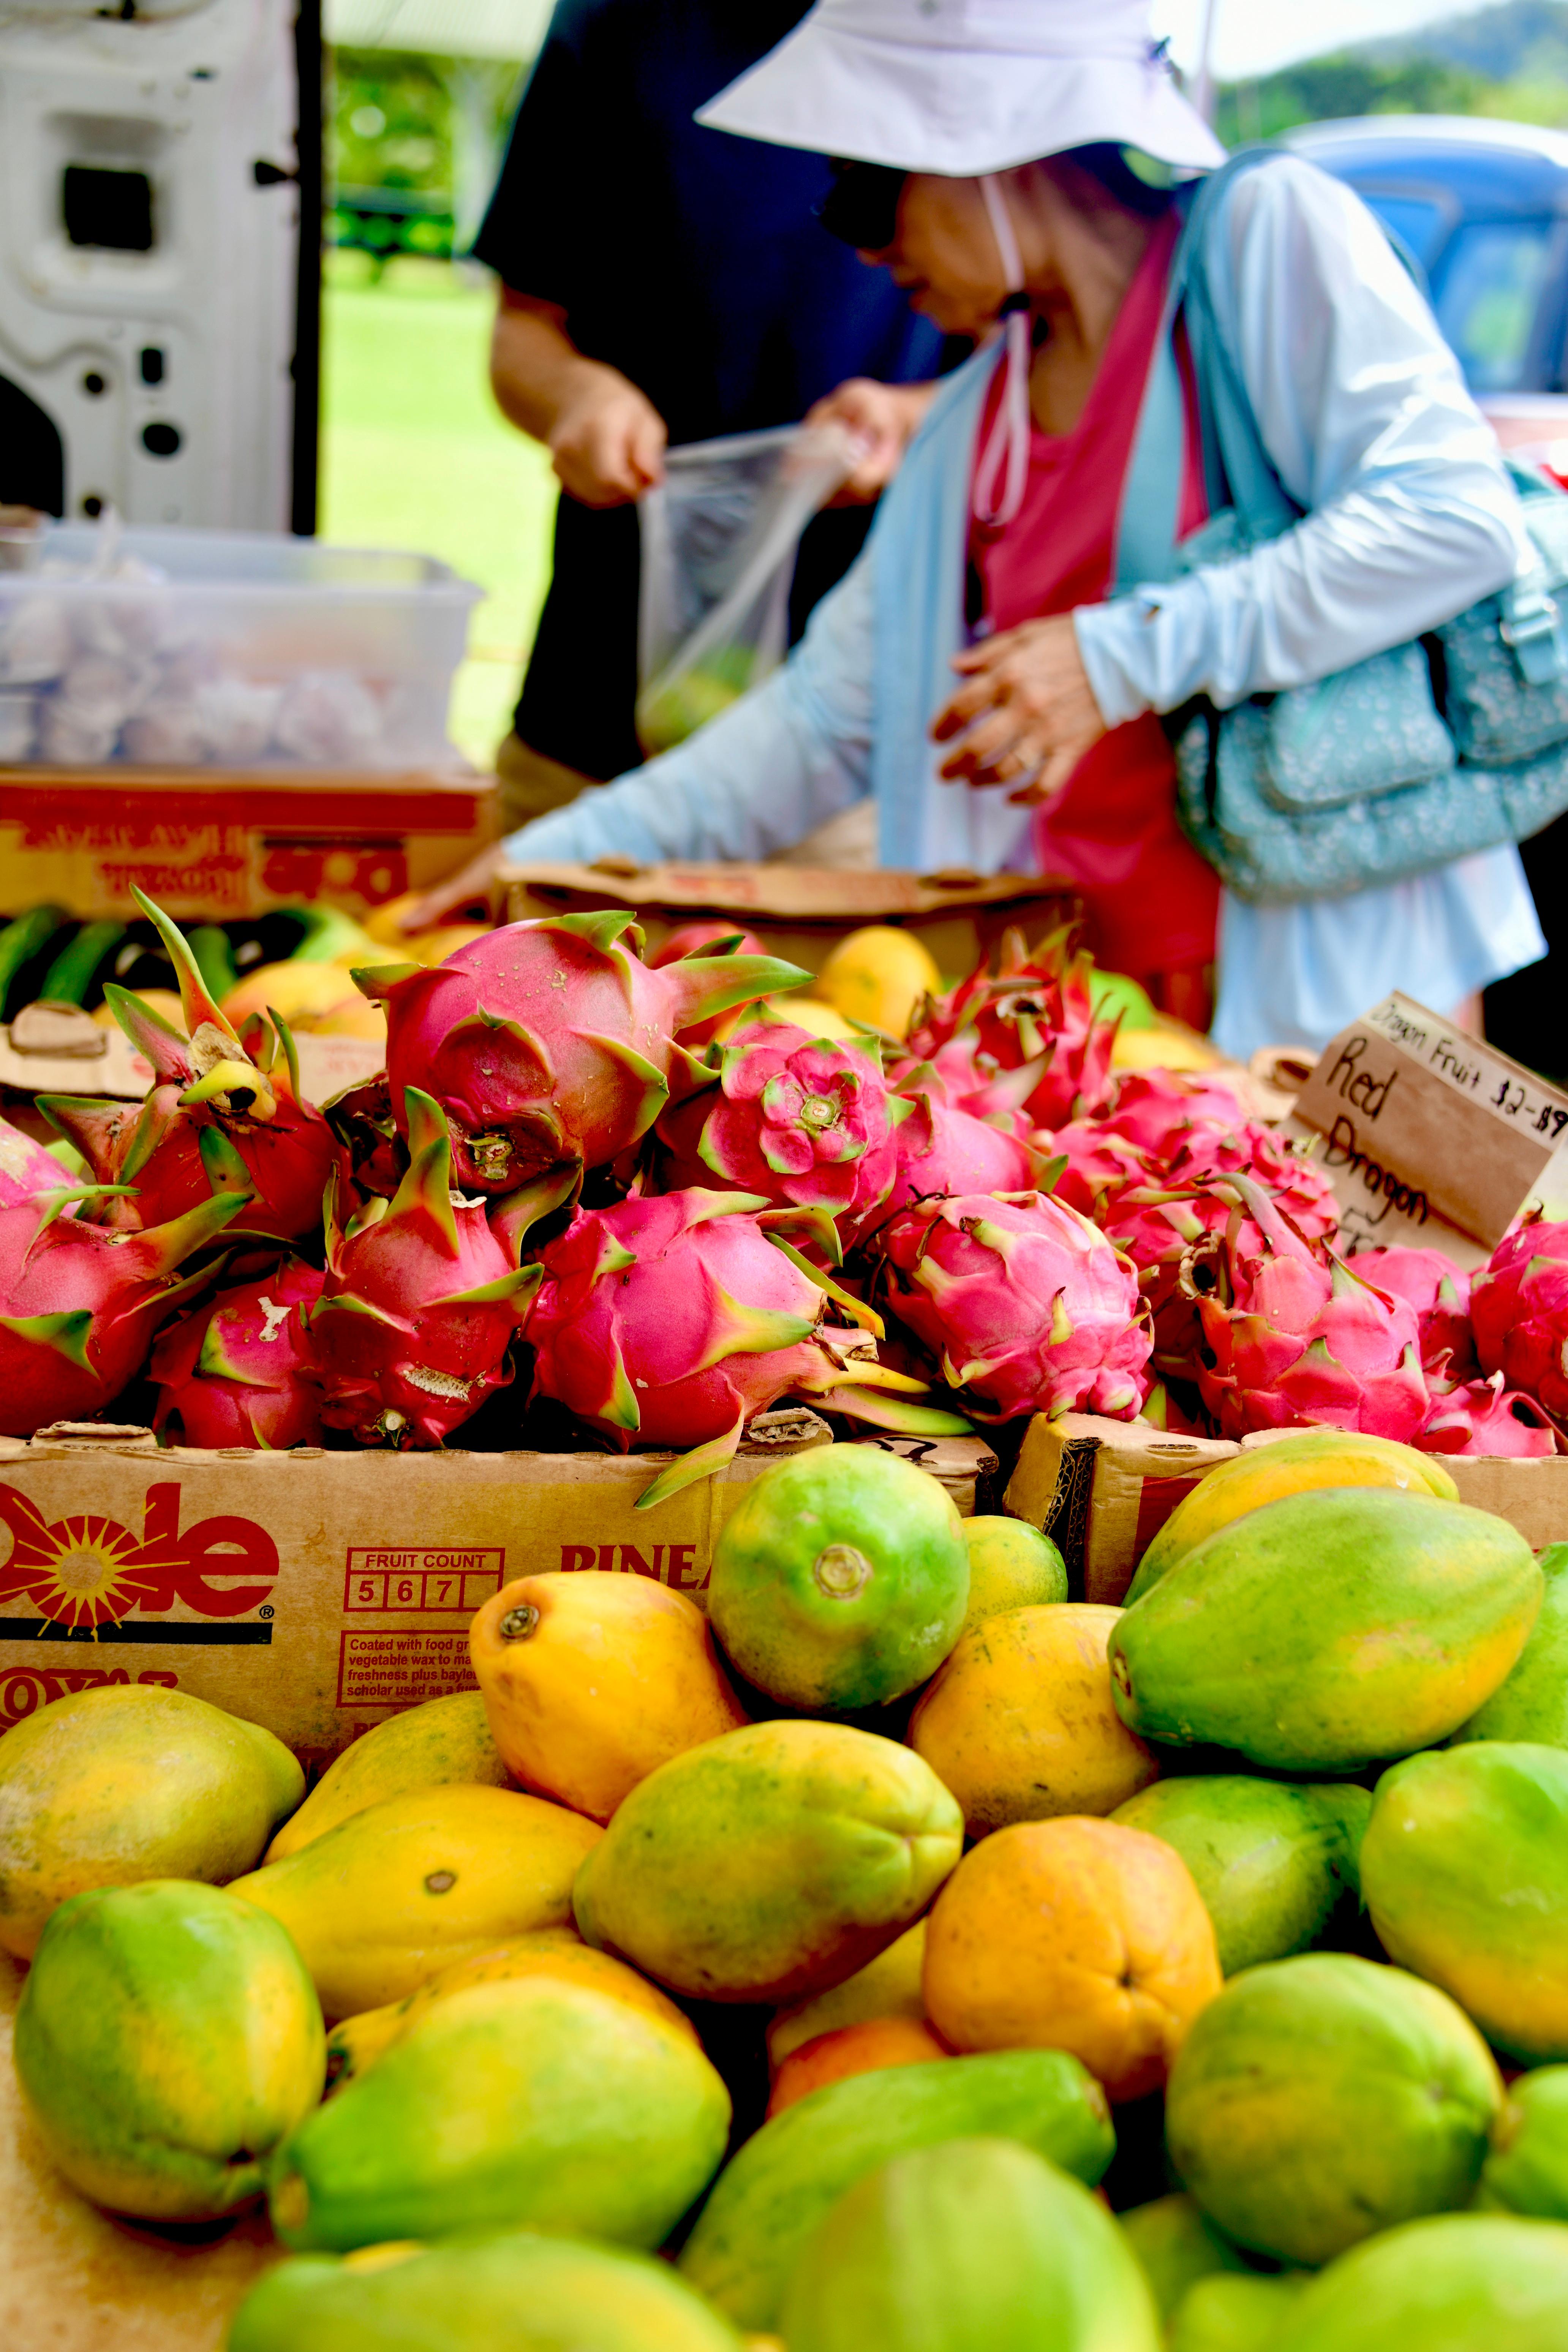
(664, 283)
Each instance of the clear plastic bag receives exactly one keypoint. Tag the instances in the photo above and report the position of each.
(719, 540)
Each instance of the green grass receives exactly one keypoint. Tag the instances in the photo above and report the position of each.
(415, 454)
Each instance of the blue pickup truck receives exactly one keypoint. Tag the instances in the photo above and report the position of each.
(1483, 207)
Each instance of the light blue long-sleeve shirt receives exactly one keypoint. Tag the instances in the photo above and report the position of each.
(1409, 518)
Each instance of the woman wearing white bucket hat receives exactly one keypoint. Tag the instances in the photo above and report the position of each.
(982, 148)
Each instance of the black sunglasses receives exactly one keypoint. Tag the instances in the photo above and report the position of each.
(861, 208)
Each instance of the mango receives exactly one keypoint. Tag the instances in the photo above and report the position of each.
(128, 1783)
(1328, 1630)
(1072, 1934)
(1526, 2170)
(864, 2049)
(1532, 1703)
(1273, 1860)
(1305, 1461)
(526, 2100)
(770, 1864)
(1464, 1872)
(1177, 2244)
(1323, 2097)
(446, 1740)
(528, 2292)
(841, 1578)
(356, 2043)
(1226, 2313)
(783, 2182)
(167, 2038)
(392, 1894)
(886, 1987)
(1463, 2282)
(1011, 1566)
(879, 975)
(591, 1681)
(1020, 1722)
(978, 2245)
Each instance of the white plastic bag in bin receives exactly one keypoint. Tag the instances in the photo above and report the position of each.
(719, 540)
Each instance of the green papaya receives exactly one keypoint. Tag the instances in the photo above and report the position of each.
(1328, 1630)
(1527, 2171)
(528, 2292)
(167, 2038)
(525, 2101)
(1532, 1703)
(783, 2181)
(1272, 1860)
(1464, 1872)
(977, 2245)
(771, 1863)
(1460, 2283)
(1177, 2244)
(1226, 2313)
(126, 1782)
(1323, 2097)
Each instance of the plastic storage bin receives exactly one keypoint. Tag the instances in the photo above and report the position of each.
(184, 647)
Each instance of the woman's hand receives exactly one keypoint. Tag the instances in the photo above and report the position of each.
(884, 419)
(1027, 710)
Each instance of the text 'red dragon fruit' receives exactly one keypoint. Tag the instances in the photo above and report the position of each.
(1023, 1300)
(1440, 1293)
(552, 1042)
(1485, 1417)
(422, 1299)
(802, 1120)
(26, 1168)
(674, 1320)
(80, 1304)
(1519, 1313)
(1025, 1036)
(216, 1120)
(1287, 1338)
(239, 1368)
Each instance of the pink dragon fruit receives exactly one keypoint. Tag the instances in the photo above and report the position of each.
(674, 1320)
(27, 1169)
(1023, 1300)
(216, 1120)
(702, 938)
(80, 1304)
(1153, 1108)
(1519, 1313)
(240, 1369)
(1287, 1339)
(552, 1042)
(423, 1297)
(1035, 1016)
(1440, 1293)
(1101, 1165)
(1485, 1417)
(804, 1121)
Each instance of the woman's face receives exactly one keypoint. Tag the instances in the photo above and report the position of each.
(945, 255)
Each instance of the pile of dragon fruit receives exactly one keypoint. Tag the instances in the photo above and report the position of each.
(646, 1201)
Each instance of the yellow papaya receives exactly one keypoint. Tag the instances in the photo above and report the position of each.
(1307, 1459)
(1011, 1566)
(403, 1888)
(886, 1987)
(446, 1740)
(592, 1680)
(132, 1781)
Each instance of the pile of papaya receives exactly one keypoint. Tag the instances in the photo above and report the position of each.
(899, 1955)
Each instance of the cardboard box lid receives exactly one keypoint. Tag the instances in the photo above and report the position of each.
(836, 897)
(46, 786)
(114, 1067)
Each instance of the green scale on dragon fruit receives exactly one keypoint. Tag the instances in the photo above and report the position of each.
(217, 1119)
(553, 1043)
(673, 1321)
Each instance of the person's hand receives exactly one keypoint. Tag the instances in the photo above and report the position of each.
(884, 419)
(607, 441)
(475, 883)
(1027, 710)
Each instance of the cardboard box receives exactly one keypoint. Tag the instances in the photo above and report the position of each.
(209, 843)
(319, 1592)
(1101, 1489)
(102, 1061)
(800, 912)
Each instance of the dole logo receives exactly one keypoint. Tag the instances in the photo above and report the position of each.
(84, 1571)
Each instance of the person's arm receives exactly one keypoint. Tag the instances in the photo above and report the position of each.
(758, 779)
(606, 437)
(1364, 414)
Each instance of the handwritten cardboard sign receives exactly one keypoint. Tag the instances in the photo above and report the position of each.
(1430, 1138)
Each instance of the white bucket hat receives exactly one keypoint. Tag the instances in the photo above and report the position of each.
(967, 87)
